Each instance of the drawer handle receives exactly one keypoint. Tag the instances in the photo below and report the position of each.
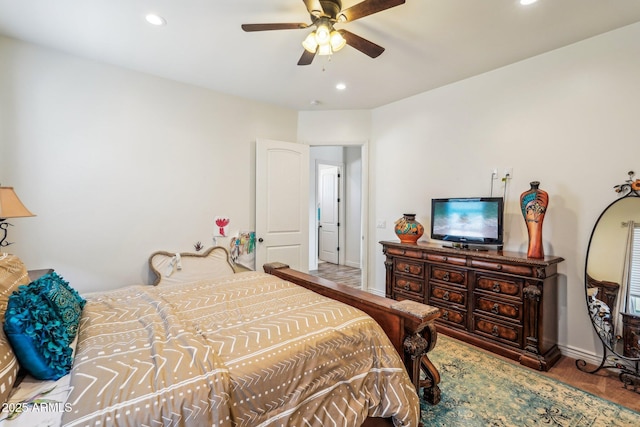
(407, 287)
(495, 331)
(495, 309)
(499, 267)
(445, 296)
(496, 287)
(444, 258)
(445, 315)
(406, 268)
(446, 277)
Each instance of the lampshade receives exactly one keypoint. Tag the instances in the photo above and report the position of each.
(337, 41)
(10, 204)
(324, 49)
(323, 34)
(310, 43)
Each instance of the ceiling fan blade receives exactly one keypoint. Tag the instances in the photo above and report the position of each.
(267, 27)
(363, 45)
(306, 58)
(366, 8)
(314, 7)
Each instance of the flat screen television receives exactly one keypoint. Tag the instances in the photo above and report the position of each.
(468, 221)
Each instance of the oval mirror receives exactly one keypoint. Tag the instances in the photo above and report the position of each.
(612, 282)
(607, 269)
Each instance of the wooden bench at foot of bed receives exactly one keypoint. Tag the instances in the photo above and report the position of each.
(409, 325)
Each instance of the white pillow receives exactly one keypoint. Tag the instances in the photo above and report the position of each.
(189, 267)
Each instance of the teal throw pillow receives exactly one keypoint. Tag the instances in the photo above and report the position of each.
(40, 323)
(64, 299)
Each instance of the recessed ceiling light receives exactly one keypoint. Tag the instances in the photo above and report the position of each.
(154, 19)
(341, 86)
(527, 2)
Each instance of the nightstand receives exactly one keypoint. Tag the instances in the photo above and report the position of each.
(35, 274)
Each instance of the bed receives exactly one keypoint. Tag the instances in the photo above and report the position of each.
(209, 345)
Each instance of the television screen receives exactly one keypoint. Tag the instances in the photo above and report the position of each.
(467, 220)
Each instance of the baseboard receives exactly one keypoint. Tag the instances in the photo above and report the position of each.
(579, 354)
(376, 292)
(352, 264)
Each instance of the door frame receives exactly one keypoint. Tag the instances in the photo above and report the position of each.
(364, 214)
(341, 208)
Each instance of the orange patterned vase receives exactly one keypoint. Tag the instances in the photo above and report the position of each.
(408, 229)
(533, 203)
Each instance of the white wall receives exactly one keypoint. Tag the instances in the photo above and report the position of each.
(117, 164)
(339, 127)
(568, 118)
(353, 194)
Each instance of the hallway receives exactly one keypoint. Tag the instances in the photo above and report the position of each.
(349, 276)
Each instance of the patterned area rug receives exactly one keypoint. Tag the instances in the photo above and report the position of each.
(481, 390)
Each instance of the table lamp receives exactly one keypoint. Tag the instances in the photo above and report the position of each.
(10, 207)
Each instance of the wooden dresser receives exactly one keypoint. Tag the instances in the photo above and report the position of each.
(501, 301)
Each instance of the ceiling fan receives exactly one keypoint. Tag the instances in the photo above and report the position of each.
(325, 39)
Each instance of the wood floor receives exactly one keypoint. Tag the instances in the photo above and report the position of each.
(604, 383)
(338, 273)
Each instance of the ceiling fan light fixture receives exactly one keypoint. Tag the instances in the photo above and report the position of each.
(323, 34)
(309, 43)
(337, 41)
(324, 49)
(325, 40)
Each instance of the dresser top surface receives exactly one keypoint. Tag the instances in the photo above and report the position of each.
(492, 255)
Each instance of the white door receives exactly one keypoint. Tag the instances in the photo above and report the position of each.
(282, 204)
(328, 213)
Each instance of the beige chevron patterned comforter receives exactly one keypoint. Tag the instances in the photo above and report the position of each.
(246, 350)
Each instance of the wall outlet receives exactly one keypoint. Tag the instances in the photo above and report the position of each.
(381, 223)
(508, 173)
(494, 173)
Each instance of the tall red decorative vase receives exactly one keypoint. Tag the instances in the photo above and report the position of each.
(533, 203)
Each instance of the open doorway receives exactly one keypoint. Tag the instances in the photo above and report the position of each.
(330, 207)
(337, 214)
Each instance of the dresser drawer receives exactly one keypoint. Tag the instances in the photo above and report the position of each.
(499, 285)
(408, 284)
(493, 307)
(449, 275)
(447, 259)
(452, 316)
(522, 270)
(446, 294)
(498, 331)
(408, 267)
(406, 252)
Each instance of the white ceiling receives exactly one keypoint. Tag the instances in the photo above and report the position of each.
(429, 43)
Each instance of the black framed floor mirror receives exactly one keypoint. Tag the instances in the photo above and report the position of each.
(612, 284)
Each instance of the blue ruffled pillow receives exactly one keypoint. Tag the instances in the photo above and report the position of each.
(41, 322)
